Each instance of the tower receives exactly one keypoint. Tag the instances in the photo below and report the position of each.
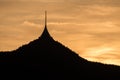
(45, 35)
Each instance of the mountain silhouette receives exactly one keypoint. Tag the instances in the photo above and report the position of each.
(45, 58)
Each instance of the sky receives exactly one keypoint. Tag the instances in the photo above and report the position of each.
(91, 28)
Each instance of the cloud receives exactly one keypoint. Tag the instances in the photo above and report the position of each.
(27, 23)
(45, 1)
(107, 55)
(100, 2)
(101, 10)
(96, 51)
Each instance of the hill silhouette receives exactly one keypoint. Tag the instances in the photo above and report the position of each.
(45, 58)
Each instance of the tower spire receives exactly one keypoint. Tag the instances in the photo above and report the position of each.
(45, 35)
(45, 18)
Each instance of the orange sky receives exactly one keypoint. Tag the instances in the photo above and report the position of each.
(89, 27)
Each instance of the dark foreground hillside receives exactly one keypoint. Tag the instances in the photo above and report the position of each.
(45, 58)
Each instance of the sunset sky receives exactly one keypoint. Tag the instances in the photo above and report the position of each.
(89, 27)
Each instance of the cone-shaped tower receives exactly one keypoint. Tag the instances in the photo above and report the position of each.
(45, 35)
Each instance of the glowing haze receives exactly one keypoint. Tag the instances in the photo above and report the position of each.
(89, 27)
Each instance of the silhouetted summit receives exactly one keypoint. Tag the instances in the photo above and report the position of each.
(45, 35)
(48, 59)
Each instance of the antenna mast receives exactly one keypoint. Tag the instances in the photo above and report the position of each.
(45, 18)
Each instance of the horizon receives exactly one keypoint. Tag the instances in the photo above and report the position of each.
(90, 28)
